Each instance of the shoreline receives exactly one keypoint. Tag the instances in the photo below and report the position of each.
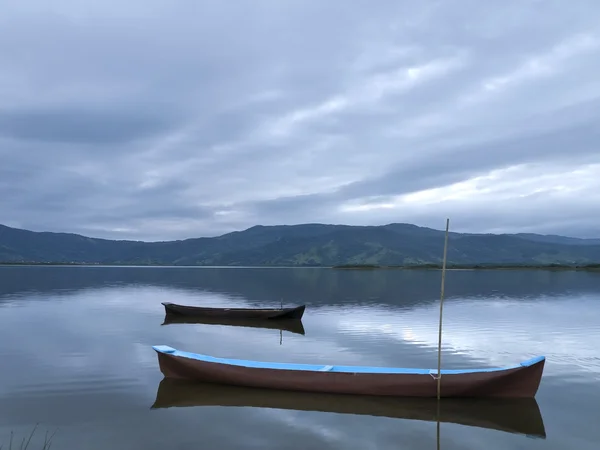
(552, 266)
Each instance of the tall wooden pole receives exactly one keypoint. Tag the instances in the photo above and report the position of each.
(439, 375)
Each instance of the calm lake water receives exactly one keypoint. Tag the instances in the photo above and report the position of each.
(75, 352)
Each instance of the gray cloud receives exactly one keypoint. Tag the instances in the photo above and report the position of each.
(159, 121)
(80, 126)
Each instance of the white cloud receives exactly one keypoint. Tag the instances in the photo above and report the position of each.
(548, 64)
(510, 184)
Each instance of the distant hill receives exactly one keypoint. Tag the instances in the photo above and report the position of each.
(304, 245)
(554, 239)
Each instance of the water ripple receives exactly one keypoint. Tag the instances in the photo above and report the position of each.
(75, 386)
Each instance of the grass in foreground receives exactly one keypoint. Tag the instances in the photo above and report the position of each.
(26, 441)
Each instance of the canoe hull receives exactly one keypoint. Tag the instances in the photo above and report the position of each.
(517, 382)
(234, 313)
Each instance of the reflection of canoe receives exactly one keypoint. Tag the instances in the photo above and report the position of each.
(291, 325)
(521, 380)
(513, 415)
(238, 313)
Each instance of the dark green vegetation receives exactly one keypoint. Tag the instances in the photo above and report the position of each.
(551, 266)
(366, 247)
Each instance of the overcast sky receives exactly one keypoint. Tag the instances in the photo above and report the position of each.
(156, 119)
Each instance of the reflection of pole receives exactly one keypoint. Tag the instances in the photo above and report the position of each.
(438, 435)
(439, 374)
(438, 425)
(281, 330)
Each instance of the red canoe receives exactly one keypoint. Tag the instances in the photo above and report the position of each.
(234, 313)
(521, 380)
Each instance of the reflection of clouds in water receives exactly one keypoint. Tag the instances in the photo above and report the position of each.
(303, 423)
(498, 332)
(141, 299)
(110, 331)
(347, 431)
(66, 342)
(148, 299)
(248, 343)
(104, 336)
(113, 329)
(95, 327)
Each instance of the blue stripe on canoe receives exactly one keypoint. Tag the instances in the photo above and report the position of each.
(327, 368)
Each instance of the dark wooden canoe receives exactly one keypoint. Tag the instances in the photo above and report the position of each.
(237, 313)
(291, 325)
(521, 380)
(511, 415)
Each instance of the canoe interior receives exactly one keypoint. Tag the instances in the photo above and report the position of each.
(248, 313)
(519, 416)
(291, 325)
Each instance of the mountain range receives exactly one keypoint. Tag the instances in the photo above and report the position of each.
(396, 244)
